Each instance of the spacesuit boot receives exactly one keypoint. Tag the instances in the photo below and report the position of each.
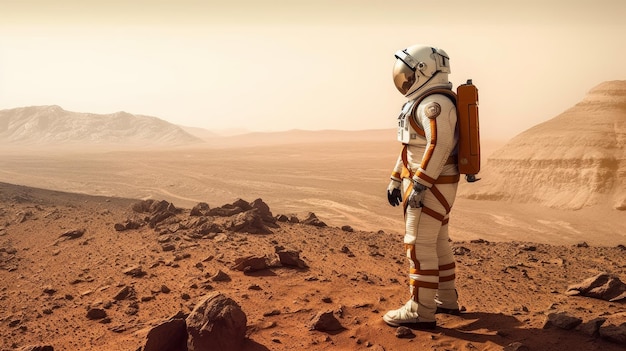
(420, 315)
(447, 302)
(447, 297)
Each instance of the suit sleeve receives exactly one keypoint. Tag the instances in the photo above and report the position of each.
(396, 173)
(437, 115)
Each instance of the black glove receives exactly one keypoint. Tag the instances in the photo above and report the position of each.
(394, 195)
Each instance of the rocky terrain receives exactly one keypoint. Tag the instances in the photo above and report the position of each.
(119, 238)
(82, 272)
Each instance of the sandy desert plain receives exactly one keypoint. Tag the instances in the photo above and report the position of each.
(515, 260)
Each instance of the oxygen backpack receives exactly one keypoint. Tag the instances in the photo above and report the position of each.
(469, 135)
(466, 102)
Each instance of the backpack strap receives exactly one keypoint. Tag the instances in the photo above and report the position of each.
(447, 92)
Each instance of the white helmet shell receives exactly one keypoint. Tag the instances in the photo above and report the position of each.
(419, 68)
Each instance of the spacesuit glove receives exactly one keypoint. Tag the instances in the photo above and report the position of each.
(394, 194)
(417, 195)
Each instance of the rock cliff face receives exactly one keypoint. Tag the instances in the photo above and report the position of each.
(52, 125)
(575, 160)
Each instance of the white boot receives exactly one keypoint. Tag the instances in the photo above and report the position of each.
(447, 302)
(408, 315)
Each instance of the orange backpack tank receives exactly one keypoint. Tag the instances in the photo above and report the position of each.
(469, 135)
(468, 149)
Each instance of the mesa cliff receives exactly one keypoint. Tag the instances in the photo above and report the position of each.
(574, 160)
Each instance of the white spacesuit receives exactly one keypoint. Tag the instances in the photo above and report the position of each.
(425, 181)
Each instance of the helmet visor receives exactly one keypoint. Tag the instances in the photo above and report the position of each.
(403, 76)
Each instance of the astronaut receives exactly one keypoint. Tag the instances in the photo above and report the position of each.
(424, 181)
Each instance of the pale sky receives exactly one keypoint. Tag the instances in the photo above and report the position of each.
(277, 65)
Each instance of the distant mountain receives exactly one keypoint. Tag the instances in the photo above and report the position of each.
(575, 160)
(297, 136)
(54, 126)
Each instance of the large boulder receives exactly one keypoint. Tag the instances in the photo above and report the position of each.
(216, 323)
(603, 286)
(170, 335)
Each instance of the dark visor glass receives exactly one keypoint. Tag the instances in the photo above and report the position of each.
(403, 76)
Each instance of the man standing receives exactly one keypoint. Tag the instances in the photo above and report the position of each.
(425, 181)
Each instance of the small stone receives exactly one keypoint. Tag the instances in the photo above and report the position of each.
(49, 290)
(73, 234)
(271, 313)
(135, 272)
(220, 276)
(562, 320)
(404, 333)
(325, 321)
(96, 313)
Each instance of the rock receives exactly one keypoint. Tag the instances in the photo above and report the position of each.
(603, 286)
(126, 292)
(127, 225)
(249, 222)
(37, 348)
(216, 323)
(562, 320)
(168, 247)
(325, 322)
(158, 218)
(460, 250)
(347, 228)
(255, 287)
(135, 271)
(229, 210)
(201, 209)
(404, 333)
(170, 335)
(142, 206)
(49, 290)
(96, 313)
(162, 206)
(207, 228)
(313, 220)
(224, 211)
(347, 251)
(73, 234)
(220, 276)
(242, 204)
(592, 327)
(271, 313)
(158, 210)
(250, 264)
(291, 259)
(23, 216)
(613, 333)
(263, 210)
(153, 206)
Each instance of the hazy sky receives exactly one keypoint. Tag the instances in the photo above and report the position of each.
(314, 64)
